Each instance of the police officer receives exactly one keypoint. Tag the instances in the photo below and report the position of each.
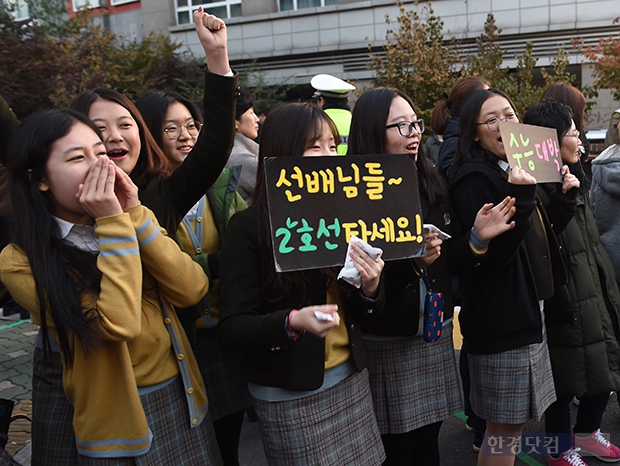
(332, 96)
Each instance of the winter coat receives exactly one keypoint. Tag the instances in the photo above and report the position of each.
(245, 153)
(605, 199)
(448, 146)
(585, 354)
(501, 293)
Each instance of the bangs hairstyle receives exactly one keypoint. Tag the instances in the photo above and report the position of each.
(61, 273)
(287, 132)
(152, 163)
(468, 149)
(368, 136)
(153, 107)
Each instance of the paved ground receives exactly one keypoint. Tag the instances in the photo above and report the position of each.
(17, 342)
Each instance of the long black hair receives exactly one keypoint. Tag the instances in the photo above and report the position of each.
(287, 132)
(468, 148)
(368, 136)
(61, 273)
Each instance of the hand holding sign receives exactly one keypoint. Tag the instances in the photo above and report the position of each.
(533, 149)
(518, 175)
(570, 181)
(433, 249)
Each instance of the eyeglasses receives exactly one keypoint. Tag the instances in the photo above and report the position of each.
(493, 122)
(573, 134)
(174, 132)
(405, 128)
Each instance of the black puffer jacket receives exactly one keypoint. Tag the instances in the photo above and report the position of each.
(585, 355)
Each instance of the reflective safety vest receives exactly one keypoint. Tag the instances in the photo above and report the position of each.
(342, 118)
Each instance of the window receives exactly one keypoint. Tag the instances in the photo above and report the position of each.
(18, 9)
(81, 4)
(121, 2)
(299, 4)
(221, 8)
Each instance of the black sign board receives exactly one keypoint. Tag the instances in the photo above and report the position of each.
(317, 203)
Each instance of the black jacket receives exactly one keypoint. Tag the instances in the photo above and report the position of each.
(253, 325)
(171, 198)
(585, 352)
(448, 146)
(401, 315)
(501, 295)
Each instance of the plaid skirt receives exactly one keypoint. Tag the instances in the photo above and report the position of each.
(413, 383)
(226, 391)
(53, 440)
(174, 442)
(514, 386)
(333, 427)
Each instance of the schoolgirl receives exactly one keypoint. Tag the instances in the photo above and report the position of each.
(174, 123)
(307, 378)
(501, 315)
(414, 384)
(583, 342)
(96, 272)
(132, 147)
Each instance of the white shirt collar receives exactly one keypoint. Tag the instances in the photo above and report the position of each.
(79, 236)
(504, 165)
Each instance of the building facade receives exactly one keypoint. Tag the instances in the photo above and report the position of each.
(292, 40)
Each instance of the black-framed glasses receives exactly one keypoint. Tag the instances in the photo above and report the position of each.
(405, 128)
(493, 122)
(174, 131)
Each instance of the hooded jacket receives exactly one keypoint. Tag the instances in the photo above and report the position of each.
(605, 199)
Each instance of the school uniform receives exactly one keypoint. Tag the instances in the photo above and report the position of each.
(169, 199)
(142, 349)
(501, 315)
(311, 394)
(415, 383)
(200, 236)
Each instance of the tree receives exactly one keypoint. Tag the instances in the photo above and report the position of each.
(265, 96)
(42, 66)
(424, 65)
(605, 56)
(488, 60)
(417, 61)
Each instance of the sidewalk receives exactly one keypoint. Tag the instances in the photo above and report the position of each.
(17, 339)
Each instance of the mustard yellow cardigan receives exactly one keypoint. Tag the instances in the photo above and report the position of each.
(142, 342)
